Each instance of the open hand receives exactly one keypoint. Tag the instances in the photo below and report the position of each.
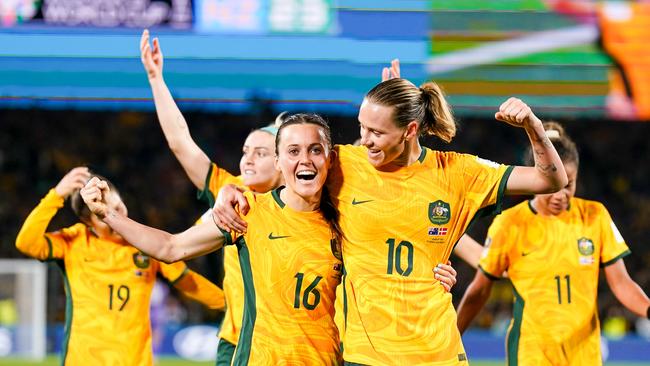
(152, 59)
(224, 214)
(392, 72)
(73, 180)
(446, 275)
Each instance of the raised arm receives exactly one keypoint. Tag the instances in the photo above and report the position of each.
(193, 242)
(628, 292)
(31, 239)
(548, 174)
(194, 161)
(472, 302)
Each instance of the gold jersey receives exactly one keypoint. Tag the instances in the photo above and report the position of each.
(553, 263)
(108, 288)
(290, 275)
(232, 282)
(397, 227)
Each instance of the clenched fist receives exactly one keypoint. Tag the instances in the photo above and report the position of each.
(517, 113)
(94, 194)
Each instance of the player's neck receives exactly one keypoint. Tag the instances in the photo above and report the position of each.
(300, 203)
(410, 155)
(540, 208)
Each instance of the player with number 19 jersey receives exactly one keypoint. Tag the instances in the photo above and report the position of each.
(108, 287)
(397, 226)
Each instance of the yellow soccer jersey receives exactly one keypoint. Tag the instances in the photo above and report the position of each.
(233, 286)
(107, 285)
(553, 263)
(290, 276)
(397, 227)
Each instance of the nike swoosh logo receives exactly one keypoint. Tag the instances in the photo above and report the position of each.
(523, 254)
(278, 237)
(355, 202)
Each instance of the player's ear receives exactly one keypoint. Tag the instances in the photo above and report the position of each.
(332, 157)
(276, 163)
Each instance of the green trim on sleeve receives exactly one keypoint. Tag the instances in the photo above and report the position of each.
(180, 277)
(68, 311)
(488, 274)
(49, 244)
(613, 260)
(243, 350)
(206, 195)
(496, 207)
(512, 339)
(502, 189)
(226, 236)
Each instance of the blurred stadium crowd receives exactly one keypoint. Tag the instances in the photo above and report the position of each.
(38, 147)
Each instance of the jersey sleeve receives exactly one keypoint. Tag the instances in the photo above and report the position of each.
(485, 183)
(173, 272)
(231, 237)
(214, 181)
(495, 258)
(33, 241)
(613, 245)
(196, 287)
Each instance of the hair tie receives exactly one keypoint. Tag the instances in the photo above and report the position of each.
(553, 134)
(270, 129)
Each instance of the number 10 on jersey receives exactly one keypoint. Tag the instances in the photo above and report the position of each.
(395, 253)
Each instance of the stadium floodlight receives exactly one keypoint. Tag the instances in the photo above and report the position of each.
(22, 308)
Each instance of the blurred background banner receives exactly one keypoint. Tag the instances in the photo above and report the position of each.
(563, 56)
(73, 92)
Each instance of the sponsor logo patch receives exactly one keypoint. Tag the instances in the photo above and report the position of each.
(437, 231)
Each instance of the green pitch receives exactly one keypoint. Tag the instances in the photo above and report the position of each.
(168, 361)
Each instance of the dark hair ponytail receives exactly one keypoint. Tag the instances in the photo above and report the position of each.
(425, 105)
(438, 119)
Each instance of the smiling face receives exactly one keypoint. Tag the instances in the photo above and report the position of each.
(304, 159)
(558, 202)
(383, 138)
(257, 162)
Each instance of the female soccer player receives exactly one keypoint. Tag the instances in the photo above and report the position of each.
(288, 258)
(553, 247)
(257, 174)
(402, 208)
(108, 283)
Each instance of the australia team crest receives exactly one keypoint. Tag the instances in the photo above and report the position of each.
(439, 212)
(141, 260)
(586, 250)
